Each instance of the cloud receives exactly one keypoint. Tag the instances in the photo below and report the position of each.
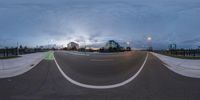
(192, 42)
(100, 20)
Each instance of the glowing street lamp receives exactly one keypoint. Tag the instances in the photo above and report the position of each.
(17, 48)
(149, 38)
(128, 43)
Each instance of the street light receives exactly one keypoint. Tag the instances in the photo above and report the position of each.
(85, 46)
(149, 39)
(128, 48)
(17, 48)
(128, 43)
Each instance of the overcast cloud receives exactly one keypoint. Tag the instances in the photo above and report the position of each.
(39, 22)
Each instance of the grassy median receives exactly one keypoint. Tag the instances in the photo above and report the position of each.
(49, 55)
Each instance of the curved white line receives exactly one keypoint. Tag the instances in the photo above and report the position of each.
(103, 86)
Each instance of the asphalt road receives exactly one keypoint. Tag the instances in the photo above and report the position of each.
(154, 82)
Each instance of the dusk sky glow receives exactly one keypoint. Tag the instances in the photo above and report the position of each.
(41, 22)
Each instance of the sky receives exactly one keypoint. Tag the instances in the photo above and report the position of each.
(93, 22)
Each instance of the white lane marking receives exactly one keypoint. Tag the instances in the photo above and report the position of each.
(102, 86)
(101, 60)
(78, 53)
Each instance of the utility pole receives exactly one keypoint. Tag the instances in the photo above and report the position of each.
(17, 48)
(85, 46)
(149, 40)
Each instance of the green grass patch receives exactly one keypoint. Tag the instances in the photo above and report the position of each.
(49, 56)
(9, 57)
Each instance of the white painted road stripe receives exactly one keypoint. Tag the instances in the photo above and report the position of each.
(101, 60)
(77, 53)
(103, 86)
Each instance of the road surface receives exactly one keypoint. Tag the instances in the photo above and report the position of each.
(152, 82)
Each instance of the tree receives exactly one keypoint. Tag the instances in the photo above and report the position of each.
(128, 48)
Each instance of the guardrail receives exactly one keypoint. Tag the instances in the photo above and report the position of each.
(6, 52)
(180, 52)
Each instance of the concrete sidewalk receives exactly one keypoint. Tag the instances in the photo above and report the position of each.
(185, 67)
(18, 66)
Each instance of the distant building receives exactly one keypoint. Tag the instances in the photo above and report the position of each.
(72, 46)
(112, 44)
(172, 46)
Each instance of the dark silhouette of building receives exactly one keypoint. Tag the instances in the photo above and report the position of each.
(112, 46)
(72, 46)
(128, 48)
(172, 46)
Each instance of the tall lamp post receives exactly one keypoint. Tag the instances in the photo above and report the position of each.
(85, 46)
(128, 48)
(128, 44)
(5, 47)
(149, 40)
(17, 48)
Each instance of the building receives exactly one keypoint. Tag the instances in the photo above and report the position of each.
(72, 46)
(172, 46)
(112, 44)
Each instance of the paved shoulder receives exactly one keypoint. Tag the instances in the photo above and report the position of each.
(158, 82)
(185, 67)
(18, 66)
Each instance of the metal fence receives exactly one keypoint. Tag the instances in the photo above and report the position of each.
(180, 52)
(15, 51)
